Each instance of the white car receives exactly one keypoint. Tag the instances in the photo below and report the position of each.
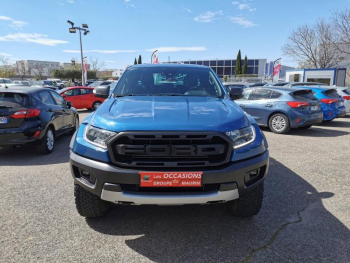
(6, 82)
(345, 93)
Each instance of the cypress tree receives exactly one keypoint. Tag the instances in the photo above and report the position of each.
(135, 62)
(140, 60)
(238, 69)
(245, 66)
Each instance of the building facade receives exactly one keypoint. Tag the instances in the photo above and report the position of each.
(35, 67)
(226, 67)
(117, 73)
(329, 76)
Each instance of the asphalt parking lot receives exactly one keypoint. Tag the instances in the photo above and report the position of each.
(305, 215)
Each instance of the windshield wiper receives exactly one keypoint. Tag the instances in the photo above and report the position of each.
(5, 107)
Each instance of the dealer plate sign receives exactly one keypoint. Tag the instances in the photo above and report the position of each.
(171, 179)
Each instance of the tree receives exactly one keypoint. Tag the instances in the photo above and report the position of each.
(314, 45)
(38, 71)
(21, 69)
(140, 60)
(6, 69)
(238, 69)
(341, 26)
(135, 62)
(245, 66)
(96, 64)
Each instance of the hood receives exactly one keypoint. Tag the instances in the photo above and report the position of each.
(169, 114)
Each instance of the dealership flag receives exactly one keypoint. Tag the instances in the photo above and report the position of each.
(85, 69)
(276, 70)
(155, 57)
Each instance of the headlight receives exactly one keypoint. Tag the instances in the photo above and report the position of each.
(97, 136)
(242, 137)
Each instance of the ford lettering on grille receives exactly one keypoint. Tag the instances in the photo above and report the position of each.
(171, 150)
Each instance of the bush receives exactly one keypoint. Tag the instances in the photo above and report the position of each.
(247, 75)
(72, 74)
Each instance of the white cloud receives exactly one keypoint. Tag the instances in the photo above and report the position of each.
(243, 5)
(5, 55)
(14, 23)
(5, 18)
(110, 61)
(208, 16)
(70, 1)
(33, 38)
(176, 49)
(189, 10)
(242, 21)
(100, 51)
(126, 1)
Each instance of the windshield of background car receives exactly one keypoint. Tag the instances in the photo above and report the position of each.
(332, 93)
(347, 91)
(13, 100)
(168, 81)
(95, 84)
(303, 95)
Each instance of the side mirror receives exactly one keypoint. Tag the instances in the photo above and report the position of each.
(102, 92)
(69, 104)
(63, 95)
(236, 93)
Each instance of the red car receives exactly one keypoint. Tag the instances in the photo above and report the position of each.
(81, 97)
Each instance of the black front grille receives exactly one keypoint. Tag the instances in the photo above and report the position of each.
(136, 188)
(170, 149)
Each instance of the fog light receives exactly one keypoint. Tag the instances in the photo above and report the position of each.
(252, 175)
(88, 176)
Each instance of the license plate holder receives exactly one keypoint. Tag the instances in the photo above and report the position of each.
(314, 108)
(3, 120)
(171, 179)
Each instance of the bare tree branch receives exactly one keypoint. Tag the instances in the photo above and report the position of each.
(313, 45)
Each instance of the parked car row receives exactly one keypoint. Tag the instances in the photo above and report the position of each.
(295, 105)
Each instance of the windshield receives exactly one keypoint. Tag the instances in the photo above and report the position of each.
(347, 91)
(331, 93)
(168, 81)
(95, 84)
(303, 95)
(13, 100)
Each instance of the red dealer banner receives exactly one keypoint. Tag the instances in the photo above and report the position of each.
(171, 179)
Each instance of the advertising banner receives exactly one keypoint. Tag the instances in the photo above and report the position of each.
(276, 70)
(155, 57)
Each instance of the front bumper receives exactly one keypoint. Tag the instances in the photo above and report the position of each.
(108, 179)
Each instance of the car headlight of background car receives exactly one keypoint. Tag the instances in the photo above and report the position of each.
(242, 137)
(96, 136)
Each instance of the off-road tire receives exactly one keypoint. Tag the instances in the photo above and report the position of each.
(249, 204)
(88, 204)
(286, 121)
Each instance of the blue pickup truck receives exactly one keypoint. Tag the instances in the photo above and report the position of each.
(168, 134)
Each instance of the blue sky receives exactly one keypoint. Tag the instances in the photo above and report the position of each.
(181, 29)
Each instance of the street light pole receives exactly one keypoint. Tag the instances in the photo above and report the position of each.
(73, 29)
(82, 61)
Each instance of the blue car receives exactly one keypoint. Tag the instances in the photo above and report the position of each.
(332, 104)
(168, 134)
(282, 108)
